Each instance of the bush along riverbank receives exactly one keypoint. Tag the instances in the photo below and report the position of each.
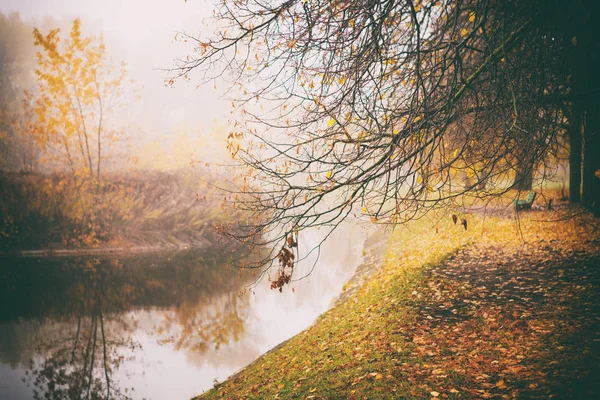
(504, 309)
(54, 214)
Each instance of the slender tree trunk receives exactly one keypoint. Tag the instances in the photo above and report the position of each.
(99, 128)
(575, 154)
(591, 158)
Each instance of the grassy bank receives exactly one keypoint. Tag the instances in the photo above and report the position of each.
(491, 311)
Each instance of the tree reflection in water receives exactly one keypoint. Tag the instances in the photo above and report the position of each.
(78, 363)
(88, 306)
(196, 327)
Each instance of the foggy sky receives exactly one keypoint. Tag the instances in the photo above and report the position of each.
(141, 33)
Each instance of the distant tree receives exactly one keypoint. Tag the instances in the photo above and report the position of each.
(78, 86)
(22, 126)
(18, 150)
(386, 108)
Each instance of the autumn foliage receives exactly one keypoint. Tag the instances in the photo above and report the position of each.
(78, 88)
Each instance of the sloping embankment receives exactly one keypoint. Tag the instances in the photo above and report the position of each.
(494, 320)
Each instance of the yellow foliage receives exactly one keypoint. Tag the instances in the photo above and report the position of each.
(75, 80)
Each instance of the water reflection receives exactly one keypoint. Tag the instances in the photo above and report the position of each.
(67, 320)
(148, 326)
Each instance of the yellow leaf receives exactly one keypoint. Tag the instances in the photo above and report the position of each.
(313, 390)
(434, 393)
(331, 122)
(364, 210)
(342, 80)
(464, 32)
(455, 153)
(328, 174)
(378, 376)
(471, 17)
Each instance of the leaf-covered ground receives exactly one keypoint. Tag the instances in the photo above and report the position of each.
(506, 309)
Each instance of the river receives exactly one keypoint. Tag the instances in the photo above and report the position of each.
(153, 326)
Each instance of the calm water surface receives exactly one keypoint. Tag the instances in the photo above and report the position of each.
(152, 326)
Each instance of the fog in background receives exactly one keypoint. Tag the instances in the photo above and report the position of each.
(185, 120)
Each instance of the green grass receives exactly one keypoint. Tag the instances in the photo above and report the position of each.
(371, 345)
(352, 350)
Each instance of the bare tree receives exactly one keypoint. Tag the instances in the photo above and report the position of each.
(386, 109)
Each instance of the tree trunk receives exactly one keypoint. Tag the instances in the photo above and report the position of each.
(591, 159)
(575, 154)
(524, 175)
(591, 136)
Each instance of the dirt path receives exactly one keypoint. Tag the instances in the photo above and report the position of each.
(511, 324)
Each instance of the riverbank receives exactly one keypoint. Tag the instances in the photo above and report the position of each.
(505, 308)
(49, 215)
(154, 242)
